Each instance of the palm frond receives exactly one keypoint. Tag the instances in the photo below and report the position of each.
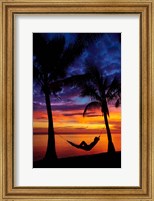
(92, 105)
(89, 90)
(71, 53)
(39, 44)
(75, 80)
(114, 90)
(54, 57)
(69, 81)
(96, 77)
(54, 51)
(37, 75)
(118, 102)
(93, 72)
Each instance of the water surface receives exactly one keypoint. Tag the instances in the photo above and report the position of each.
(64, 149)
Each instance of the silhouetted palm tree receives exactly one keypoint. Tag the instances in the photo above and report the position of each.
(51, 59)
(102, 91)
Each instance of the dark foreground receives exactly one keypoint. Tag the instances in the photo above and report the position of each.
(103, 160)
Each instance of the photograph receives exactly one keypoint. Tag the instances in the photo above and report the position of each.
(76, 100)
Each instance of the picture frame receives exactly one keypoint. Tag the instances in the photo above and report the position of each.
(145, 9)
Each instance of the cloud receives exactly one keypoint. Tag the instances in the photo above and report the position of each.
(73, 114)
(67, 107)
(105, 53)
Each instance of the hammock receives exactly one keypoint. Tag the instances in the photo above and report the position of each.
(83, 145)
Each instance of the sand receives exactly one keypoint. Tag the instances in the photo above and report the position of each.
(102, 160)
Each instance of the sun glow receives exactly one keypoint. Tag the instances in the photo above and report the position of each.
(74, 122)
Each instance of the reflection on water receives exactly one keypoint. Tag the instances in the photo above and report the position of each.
(64, 149)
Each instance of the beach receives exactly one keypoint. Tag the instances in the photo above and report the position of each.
(101, 160)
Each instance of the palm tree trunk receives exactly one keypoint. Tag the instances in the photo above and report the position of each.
(111, 148)
(51, 150)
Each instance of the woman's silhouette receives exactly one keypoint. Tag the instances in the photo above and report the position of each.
(83, 145)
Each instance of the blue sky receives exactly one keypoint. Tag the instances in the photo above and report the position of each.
(105, 53)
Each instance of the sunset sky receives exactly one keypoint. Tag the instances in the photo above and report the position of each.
(68, 109)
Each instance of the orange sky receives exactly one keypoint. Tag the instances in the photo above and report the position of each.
(77, 124)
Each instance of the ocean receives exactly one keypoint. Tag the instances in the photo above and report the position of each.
(64, 149)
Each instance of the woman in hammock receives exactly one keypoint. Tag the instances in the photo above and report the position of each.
(83, 145)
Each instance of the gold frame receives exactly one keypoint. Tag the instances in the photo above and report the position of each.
(145, 8)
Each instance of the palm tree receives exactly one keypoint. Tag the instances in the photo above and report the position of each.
(102, 91)
(50, 61)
